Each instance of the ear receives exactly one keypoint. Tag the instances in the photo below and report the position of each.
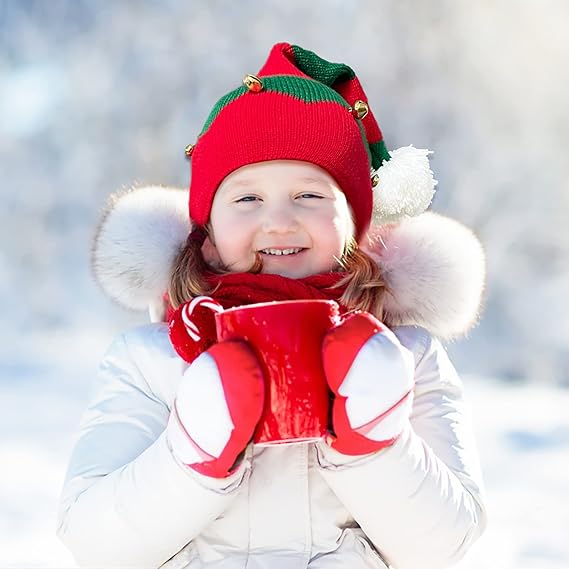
(209, 252)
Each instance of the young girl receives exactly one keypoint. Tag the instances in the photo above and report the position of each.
(287, 174)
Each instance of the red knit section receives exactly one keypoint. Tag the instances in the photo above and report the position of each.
(276, 64)
(323, 133)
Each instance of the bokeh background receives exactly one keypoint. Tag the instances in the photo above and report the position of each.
(97, 95)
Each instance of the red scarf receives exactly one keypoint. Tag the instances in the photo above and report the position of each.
(239, 289)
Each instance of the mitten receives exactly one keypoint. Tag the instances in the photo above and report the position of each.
(371, 376)
(218, 404)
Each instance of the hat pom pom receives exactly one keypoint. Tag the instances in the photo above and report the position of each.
(405, 185)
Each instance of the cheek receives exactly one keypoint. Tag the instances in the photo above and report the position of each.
(337, 244)
(330, 241)
(336, 231)
(227, 249)
(232, 246)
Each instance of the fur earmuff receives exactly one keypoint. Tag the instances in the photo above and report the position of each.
(136, 243)
(434, 269)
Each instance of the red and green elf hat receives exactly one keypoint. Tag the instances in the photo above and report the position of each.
(302, 107)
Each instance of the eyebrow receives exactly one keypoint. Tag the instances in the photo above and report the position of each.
(313, 181)
(242, 183)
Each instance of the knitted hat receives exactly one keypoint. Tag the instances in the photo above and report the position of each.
(302, 107)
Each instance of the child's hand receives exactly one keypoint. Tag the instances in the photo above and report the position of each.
(372, 376)
(218, 405)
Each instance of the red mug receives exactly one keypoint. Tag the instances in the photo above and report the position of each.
(287, 339)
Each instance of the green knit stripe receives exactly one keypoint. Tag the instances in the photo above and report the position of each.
(304, 89)
(324, 71)
(379, 154)
(221, 104)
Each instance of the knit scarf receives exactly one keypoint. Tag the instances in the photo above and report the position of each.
(239, 289)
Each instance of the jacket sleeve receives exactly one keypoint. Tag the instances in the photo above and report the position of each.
(419, 501)
(126, 501)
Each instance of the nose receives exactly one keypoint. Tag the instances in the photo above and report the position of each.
(280, 218)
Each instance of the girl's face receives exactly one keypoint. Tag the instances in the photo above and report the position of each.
(292, 213)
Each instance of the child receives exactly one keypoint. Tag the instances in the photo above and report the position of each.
(281, 200)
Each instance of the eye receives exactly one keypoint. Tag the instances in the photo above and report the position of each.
(308, 195)
(245, 199)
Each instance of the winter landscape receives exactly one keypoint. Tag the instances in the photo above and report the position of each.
(97, 96)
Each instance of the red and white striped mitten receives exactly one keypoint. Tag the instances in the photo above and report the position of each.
(217, 407)
(372, 377)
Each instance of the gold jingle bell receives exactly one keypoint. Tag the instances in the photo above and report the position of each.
(188, 151)
(253, 83)
(374, 180)
(360, 110)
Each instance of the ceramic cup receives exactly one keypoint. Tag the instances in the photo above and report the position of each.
(287, 339)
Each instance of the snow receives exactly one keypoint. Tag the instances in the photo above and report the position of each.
(522, 432)
(523, 437)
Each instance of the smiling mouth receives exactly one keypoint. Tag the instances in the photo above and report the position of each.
(279, 252)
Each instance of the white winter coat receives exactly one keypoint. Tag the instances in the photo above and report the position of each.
(127, 502)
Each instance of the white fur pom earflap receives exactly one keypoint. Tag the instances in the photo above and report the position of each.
(434, 269)
(405, 185)
(140, 234)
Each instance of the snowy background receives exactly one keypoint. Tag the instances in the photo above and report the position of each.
(98, 95)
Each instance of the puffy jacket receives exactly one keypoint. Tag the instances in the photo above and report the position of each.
(127, 502)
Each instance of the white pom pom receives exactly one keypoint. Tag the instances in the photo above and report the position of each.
(406, 185)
